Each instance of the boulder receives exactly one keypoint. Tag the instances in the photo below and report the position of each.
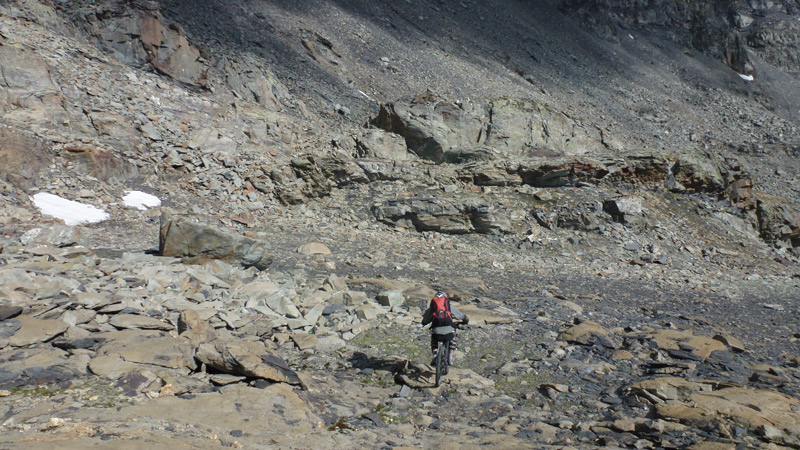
(391, 298)
(246, 358)
(431, 125)
(778, 220)
(623, 209)
(194, 242)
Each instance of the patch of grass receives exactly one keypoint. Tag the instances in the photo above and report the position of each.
(377, 381)
(405, 342)
(99, 395)
(519, 385)
(36, 392)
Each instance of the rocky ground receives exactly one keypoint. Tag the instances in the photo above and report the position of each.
(618, 216)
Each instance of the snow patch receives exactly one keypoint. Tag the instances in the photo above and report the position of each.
(746, 77)
(72, 213)
(140, 200)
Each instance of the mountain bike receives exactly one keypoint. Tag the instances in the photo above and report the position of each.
(442, 361)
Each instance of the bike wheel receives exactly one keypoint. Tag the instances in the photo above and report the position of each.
(446, 363)
(440, 363)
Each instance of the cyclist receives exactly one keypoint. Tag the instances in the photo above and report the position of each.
(441, 315)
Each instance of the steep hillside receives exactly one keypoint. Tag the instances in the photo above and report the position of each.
(265, 194)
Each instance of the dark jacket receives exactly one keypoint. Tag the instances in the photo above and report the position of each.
(427, 317)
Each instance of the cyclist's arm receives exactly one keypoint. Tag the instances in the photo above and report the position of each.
(427, 316)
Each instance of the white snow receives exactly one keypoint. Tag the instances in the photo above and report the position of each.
(746, 77)
(72, 213)
(140, 200)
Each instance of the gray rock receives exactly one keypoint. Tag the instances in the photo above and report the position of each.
(404, 392)
(39, 366)
(391, 298)
(7, 312)
(194, 242)
(623, 209)
(126, 321)
(34, 331)
(250, 359)
(9, 327)
(377, 143)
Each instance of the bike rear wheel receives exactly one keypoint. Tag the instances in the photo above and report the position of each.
(441, 361)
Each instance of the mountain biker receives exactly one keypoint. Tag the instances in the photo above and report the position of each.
(442, 328)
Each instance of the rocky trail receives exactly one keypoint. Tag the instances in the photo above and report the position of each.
(605, 193)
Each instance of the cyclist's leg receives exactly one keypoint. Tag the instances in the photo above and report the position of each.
(453, 346)
(434, 346)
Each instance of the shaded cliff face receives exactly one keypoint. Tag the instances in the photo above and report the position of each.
(726, 29)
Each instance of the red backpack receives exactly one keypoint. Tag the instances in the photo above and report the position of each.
(440, 307)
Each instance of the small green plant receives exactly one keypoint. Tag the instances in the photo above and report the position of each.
(341, 425)
(384, 412)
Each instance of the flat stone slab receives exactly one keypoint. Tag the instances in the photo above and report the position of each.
(38, 365)
(304, 341)
(125, 321)
(686, 340)
(34, 331)
(155, 350)
(7, 312)
(478, 315)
